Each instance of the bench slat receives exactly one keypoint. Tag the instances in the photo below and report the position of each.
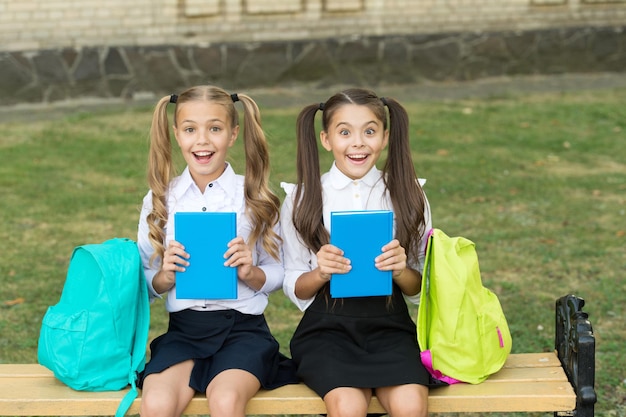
(532, 360)
(529, 382)
(515, 360)
(19, 370)
(510, 396)
(553, 374)
(506, 374)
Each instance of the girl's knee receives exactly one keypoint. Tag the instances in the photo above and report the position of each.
(409, 400)
(229, 392)
(346, 404)
(156, 405)
(226, 403)
(409, 409)
(346, 409)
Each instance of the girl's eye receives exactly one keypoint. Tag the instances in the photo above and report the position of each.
(189, 129)
(215, 129)
(344, 132)
(370, 131)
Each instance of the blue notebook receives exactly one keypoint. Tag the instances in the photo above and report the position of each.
(205, 236)
(361, 235)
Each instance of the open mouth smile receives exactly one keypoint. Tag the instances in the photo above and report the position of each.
(359, 157)
(203, 156)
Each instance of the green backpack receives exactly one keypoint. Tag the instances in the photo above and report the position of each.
(95, 338)
(461, 328)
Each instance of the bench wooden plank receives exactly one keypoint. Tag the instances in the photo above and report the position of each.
(532, 360)
(53, 398)
(515, 360)
(517, 373)
(21, 370)
(548, 374)
(510, 396)
(528, 382)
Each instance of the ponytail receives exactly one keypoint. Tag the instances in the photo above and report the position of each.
(160, 171)
(308, 205)
(262, 205)
(407, 196)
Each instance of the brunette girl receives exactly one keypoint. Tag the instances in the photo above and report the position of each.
(349, 349)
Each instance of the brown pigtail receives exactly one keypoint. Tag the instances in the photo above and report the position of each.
(308, 205)
(400, 178)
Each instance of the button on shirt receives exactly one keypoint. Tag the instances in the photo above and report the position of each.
(224, 194)
(339, 193)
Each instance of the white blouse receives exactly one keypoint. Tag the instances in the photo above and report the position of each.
(223, 194)
(339, 193)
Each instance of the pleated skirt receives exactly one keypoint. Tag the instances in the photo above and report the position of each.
(217, 341)
(363, 342)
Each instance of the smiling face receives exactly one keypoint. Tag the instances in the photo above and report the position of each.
(204, 133)
(356, 137)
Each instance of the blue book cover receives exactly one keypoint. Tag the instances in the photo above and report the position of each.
(361, 235)
(205, 236)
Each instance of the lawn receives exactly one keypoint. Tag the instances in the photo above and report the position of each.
(537, 181)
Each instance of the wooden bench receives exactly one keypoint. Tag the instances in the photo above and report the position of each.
(561, 382)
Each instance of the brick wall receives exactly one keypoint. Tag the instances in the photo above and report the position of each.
(46, 24)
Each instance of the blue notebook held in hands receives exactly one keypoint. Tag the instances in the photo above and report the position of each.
(361, 235)
(205, 236)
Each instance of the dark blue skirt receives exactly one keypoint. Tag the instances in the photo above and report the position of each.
(217, 341)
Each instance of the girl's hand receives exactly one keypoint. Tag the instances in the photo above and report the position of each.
(393, 258)
(330, 260)
(239, 255)
(174, 260)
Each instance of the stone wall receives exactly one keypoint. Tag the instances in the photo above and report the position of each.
(56, 50)
(128, 72)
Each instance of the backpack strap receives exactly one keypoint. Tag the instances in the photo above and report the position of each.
(138, 355)
(423, 316)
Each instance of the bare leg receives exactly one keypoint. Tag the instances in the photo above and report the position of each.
(166, 394)
(347, 402)
(410, 400)
(229, 393)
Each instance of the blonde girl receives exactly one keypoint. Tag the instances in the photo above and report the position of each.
(222, 348)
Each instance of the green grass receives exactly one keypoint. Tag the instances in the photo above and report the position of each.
(538, 182)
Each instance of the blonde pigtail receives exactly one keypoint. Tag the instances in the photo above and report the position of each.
(160, 171)
(262, 205)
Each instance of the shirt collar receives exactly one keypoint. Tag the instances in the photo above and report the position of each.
(227, 181)
(339, 180)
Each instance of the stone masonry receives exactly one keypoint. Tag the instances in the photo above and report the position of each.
(128, 72)
(66, 50)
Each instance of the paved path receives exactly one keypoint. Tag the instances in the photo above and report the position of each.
(302, 95)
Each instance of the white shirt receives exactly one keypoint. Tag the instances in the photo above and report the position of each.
(223, 194)
(339, 192)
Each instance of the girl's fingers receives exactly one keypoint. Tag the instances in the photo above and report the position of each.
(330, 260)
(239, 259)
(393, 257)
(238, 253)
(175, 257)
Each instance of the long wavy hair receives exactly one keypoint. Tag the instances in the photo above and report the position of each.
(262, 205)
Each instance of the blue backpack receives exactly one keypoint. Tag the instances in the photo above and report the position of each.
(95, 338)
